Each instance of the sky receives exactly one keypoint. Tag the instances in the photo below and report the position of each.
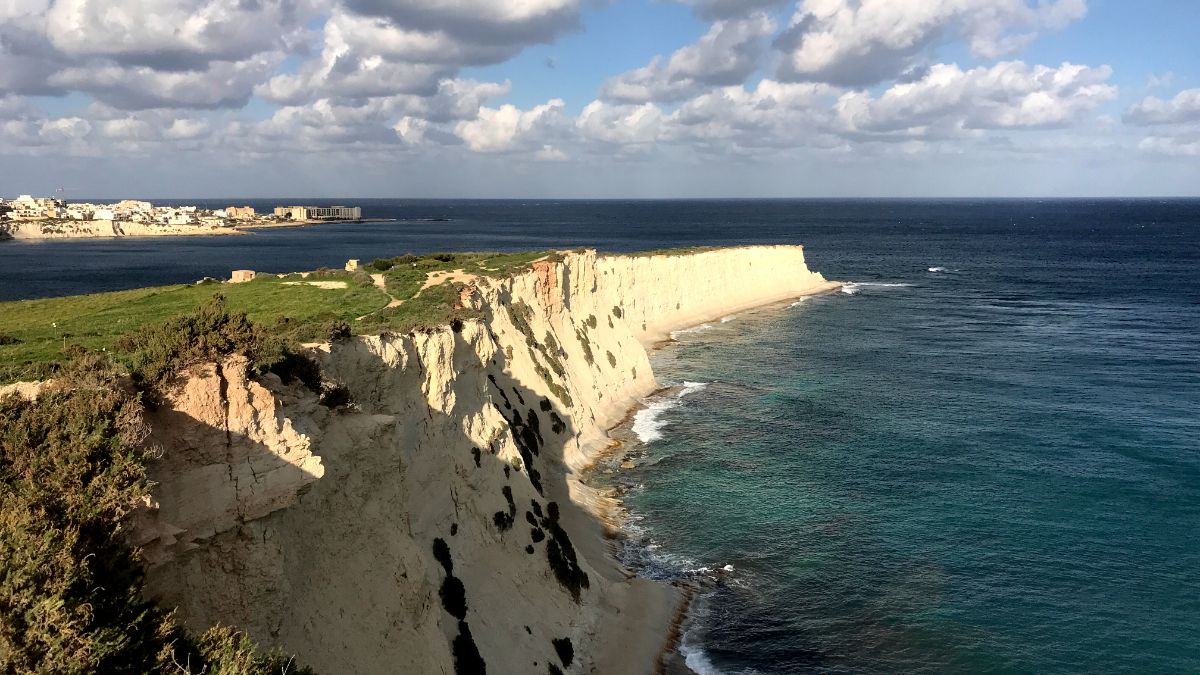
(599, 98)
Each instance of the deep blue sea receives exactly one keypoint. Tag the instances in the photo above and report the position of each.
(984, 457)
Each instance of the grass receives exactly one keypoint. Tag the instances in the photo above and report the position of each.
(35, 333)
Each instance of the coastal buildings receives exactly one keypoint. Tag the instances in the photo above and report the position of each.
(301, 213)
(240, 212)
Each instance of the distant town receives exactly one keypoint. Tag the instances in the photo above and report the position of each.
(51, 210)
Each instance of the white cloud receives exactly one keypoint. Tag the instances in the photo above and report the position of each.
(1170, 147)
(727, 54)
(222, 84)
(173, 34)
(509, 128)
(1184, 108)
(725, 9)
(950, 101)
(862, 42)
(623, 125)
(513, 22)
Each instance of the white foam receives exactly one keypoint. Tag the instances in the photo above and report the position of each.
(697, 660)
(937, 269)
(648, 422)
(855, 287)
(799, 302)
(694, 329)
(727, 568)
(727, 319)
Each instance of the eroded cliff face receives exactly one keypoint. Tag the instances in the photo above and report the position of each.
(315, 530)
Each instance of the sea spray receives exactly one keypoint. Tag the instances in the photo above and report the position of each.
(648, 422)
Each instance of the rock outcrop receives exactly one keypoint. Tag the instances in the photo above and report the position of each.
(440, 519)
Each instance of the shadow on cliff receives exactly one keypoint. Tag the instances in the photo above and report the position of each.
(494, 543)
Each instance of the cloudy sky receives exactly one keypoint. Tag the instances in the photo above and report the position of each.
(599, 98)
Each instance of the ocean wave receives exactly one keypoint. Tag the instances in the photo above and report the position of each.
(727, 319)
(697, 660)
(799, 302)
(648, 422)
(855, 287)
(694, 329)
(935, 270)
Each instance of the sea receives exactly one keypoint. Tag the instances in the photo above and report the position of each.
(981, 455)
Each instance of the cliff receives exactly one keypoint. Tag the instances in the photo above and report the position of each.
(85, 229)
(440, 519)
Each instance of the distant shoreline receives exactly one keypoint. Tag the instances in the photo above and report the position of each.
(306, 223)
(33, 230)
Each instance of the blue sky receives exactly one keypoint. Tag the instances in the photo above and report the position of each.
(586, 98)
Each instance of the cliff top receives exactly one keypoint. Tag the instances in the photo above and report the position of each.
(398, 295)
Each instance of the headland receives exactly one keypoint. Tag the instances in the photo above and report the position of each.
(399, 488)
(36, 218)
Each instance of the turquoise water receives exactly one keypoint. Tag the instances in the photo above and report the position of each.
(994, 467)
(979, 469)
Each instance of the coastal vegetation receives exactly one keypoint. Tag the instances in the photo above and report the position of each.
(72, 469)
(289, 308)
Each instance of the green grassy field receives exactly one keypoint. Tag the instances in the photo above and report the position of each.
(34, 333)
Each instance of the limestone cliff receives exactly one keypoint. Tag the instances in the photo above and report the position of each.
(85, 229)
(442, 512)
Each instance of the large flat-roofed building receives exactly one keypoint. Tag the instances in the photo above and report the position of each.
(319, 212)
(240, 212)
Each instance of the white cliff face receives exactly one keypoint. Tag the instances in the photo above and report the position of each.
(315, 529)
(84, 229)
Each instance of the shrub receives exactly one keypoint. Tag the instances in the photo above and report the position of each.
(612, 360)
(8, 340)
(72, 468)
(155, 353)
(337, 331)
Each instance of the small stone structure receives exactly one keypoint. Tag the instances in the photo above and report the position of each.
(352, 265)
(241, 276)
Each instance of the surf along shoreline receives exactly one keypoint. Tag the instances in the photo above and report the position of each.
(623, 438)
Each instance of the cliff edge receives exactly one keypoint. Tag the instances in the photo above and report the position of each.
(438, 523)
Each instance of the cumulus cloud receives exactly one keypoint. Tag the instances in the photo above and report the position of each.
(772, 114)
(1170, 147)
(949, 100)
(726, 9)
(623, 125)
(1184, 108)
(862, 42)
(508, 128)
(173, 34)
(222, 84)
(727, 54)
(483, 22)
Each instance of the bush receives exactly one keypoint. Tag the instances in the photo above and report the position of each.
(8, 340)
(156, 353)
(337, 331)
(72, 469)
